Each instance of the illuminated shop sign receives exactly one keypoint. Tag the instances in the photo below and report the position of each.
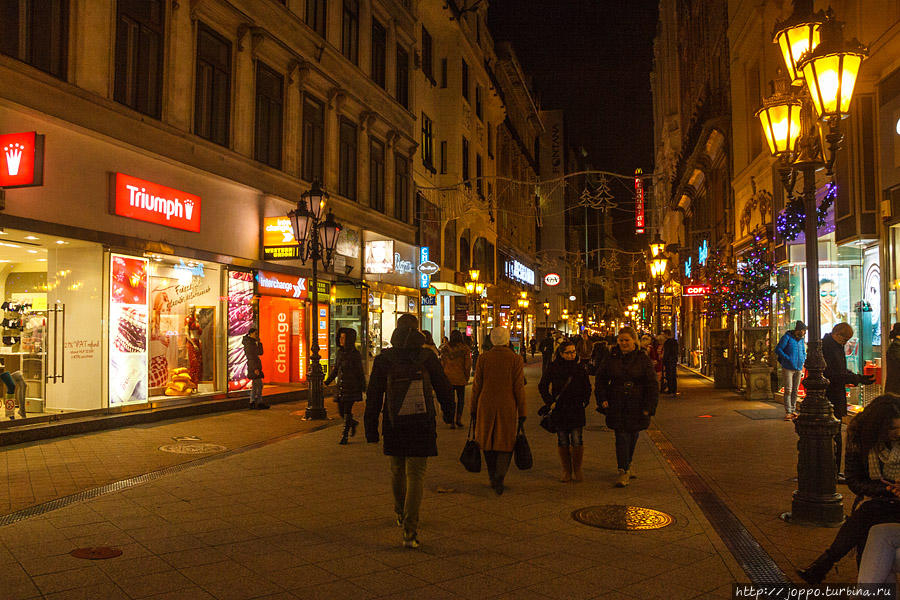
(696, 290)
(22, 161)
(278, 239)
(379, 256)
(519, 272)
(687, 266)
(426, 268)
(703, 253)
(147, 201)
(402, 266)
(552, 279)
(279, 284)
(638, 202)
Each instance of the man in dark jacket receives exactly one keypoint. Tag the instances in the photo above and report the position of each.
(402, 387)
(253, 349)
(839, 377)
(670, 363)
(348, 370)
(546, 350)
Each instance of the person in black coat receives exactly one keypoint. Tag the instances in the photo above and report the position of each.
(892, 362)
(546, 348)
(566, 383)
(627, 392)
(670, 363)
(253, 349)
(348, 370)
(839, 377)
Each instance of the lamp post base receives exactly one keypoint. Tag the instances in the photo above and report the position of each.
(815, 514)
(315, 414)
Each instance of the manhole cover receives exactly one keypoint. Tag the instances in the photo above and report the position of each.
(618, 516)
(97, 553)
(192, 448)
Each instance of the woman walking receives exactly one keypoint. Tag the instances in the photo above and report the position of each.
(498, 404)
(457, 362)
(348, 370)
(872, 467)
(566, 383)
(627, 391)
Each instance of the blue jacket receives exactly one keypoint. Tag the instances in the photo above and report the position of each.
(791, 352)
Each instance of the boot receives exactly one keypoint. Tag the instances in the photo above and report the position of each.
(565, 457)
(353, 424)
(343, 441)
(815, 573)
(622, 478)
(577, 456)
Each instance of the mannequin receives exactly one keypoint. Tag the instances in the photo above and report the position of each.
(194, 349)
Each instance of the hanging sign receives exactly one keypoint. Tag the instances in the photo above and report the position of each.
(638, 202)
(552, 279)
(695, 290)
(687, 267)
(703, 253)
(426, 268)
(279, 284)
(278, 239)
(147, 201)
(22, 161)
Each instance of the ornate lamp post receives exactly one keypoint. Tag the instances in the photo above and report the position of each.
(475, 289)
(547, 314)
(317, 239)
(657, 270)
(823, 68)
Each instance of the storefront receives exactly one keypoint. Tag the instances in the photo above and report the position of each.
(440, 318)
(391, 279)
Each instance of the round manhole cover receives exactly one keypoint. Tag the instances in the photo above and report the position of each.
(96, 553)
(192, 448)
(619, 516)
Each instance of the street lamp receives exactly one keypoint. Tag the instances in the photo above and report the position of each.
(475, 289)
(316, 239)
(826, 70)
(657, 270)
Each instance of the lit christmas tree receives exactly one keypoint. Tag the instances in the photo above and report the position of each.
(755, 274)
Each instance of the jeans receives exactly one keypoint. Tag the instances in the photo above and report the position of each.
(791, 385)
(564, 439)
(625, 444)
(879, 560)
(460, 399)
(256, 391)
(497, 465)
(855, 528)
(408, 484)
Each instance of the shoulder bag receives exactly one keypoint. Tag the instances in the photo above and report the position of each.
(471, 454)
(548, 421)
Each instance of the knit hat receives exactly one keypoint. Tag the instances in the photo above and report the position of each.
(500, 336)
(800, 326)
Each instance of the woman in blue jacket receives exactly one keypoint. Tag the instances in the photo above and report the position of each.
(791, 352)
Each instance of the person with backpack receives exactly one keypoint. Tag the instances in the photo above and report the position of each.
(498, 398)
(348, 370)
(405, 381)
(457, 362)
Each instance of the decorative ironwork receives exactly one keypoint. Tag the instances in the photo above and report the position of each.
(192, 448)
(623, 517)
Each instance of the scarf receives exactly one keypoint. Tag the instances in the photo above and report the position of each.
(884, 462)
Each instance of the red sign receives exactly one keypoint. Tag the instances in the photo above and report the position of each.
(638, 202)
(22, 160)
(695, 290)
(147, 201)
(279, 284)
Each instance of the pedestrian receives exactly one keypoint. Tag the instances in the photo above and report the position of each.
(839, 377)
(645, 344)
(658, 342)
(348, 370)
(457, 362)
(532, 345)
(253, 349)
(598, 355)
(405, 380)
(670, 362)
(879, 564)
(498, 405)
(546, 350)
(791, 353)
(873, 472)
(627, 393)
(429, 342)
(567, 385)
(444, 342)
(892, 362)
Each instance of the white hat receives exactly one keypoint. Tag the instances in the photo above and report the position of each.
(500, 336)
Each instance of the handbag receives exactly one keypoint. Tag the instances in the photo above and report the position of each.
(471, 454)
(548, 422)
(522, 451)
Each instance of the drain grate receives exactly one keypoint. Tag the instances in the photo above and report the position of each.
(752, 558)
(626, 518)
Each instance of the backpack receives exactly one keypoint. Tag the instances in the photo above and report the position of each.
(409, 395)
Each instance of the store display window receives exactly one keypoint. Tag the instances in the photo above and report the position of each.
(240, 320)
(346, 311)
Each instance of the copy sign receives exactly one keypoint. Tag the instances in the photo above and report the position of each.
(147, 201)
(21, 160)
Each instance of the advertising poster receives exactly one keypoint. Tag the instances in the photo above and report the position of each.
(380, 256)
(322, 332)
(834, 306)
(128, 316)
(240, 320)
(870, 321)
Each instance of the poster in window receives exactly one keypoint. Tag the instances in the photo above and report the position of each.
(834, 296)
(240, 320)
(128, 317)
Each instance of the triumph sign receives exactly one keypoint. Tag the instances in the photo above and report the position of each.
(154, 203)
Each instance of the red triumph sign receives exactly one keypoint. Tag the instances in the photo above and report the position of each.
(147, 201)
(638, 202)
(21, 160)
(695, 290)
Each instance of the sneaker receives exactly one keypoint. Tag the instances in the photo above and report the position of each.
(412, 542)
(841, 478)
(789, 416)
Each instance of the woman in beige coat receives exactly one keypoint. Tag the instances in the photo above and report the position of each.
(498, 404)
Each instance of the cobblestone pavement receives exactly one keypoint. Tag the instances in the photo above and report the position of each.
(305, 518)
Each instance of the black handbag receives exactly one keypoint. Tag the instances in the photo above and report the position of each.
(548, 421)
(471, 454)
(522, 451)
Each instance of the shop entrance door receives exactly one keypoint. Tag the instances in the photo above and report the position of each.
(283, 332)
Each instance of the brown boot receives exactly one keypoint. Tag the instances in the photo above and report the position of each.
(565, 457)
(577, 456)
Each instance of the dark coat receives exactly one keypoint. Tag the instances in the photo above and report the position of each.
(408, 440)
(856, 470)
(253, 349)
(348, 369)
(670, 351)
(892, 379)
(837, 374)
(628, 383)
(569, 411)
(546, 347)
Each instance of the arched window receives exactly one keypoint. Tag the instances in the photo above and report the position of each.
(479, 258)
(464, 256)
(450, 245)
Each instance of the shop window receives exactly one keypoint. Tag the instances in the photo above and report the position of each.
(269, 110)
(401, 188)
(350, 31)
(212, 110)
(139, 55)
(315, 15)
(379, 53)
(376, 174)
(313, 139)
(37, 33)
(347, 149)
(402, 77)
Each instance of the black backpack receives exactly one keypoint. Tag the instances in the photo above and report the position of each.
(409, 397)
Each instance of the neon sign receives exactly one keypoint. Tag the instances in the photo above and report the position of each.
(696, 290)
(687, 267)
(703, 253)
(638, 202)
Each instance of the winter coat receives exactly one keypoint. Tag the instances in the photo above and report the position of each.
(670, 351)
(628, 383)
(837, 374)
(253, 349)
(598, 355)
(546, 347)
(892, 379)
(348, 369)
(498, 398)
(655, 358)
(584, 348)
(856, 470)
(419, 439)
(457, 362)
(791, 352)
(570, 399)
